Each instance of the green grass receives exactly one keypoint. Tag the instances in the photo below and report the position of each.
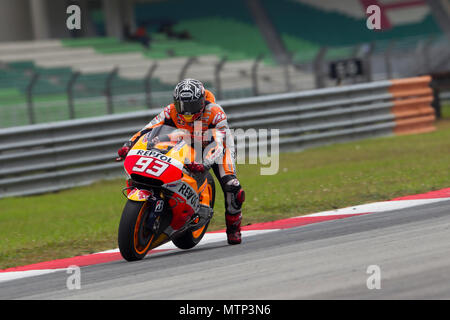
(85, 220)
(445, 111)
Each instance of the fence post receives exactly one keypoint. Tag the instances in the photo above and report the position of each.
(185, 67)
(255, 74)
(217, 70)
(70, 85)
(317, 67)
(427, 54)
(29, 90)
(148, 84)
(108, 91)
(287, 76)
(368, 61)
(422, 61)
(388, 60)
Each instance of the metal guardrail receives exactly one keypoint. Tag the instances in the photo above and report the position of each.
(49, 157)
(445, 96)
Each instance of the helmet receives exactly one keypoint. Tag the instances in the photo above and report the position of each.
(189, 99)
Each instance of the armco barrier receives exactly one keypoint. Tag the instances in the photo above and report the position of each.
(412, 100)
(50, 157)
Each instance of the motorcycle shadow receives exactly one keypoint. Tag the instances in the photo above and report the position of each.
(178, 252)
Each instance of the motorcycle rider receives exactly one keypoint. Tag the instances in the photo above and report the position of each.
(191, 103)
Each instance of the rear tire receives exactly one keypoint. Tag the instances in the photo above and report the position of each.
(191, 238)
(134, 239)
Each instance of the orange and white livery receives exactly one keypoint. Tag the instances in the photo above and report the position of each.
(213, 121)
(198, 116)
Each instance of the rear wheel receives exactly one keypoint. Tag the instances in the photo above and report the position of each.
(134, 237)
(192, 237)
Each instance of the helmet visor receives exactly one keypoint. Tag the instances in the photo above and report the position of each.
(189, 107)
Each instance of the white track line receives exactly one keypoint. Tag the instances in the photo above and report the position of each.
(377, 207)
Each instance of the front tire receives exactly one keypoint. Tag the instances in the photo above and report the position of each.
(134, 238)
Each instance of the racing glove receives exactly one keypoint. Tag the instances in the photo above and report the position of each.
(196, 167)
(122, 152)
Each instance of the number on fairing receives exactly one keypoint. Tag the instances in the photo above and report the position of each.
(157, 168)
(142, 164)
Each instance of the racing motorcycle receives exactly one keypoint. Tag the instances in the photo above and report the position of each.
(166, 202)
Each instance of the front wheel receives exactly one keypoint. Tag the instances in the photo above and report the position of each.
(134, 238)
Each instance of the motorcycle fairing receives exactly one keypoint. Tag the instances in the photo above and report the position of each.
(188, 193)
(153, 164)
(186, 190)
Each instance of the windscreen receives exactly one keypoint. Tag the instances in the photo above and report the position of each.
(165, 134)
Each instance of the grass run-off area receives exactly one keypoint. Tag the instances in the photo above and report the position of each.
(85, 220)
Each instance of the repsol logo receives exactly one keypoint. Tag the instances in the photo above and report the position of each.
(153, 154)
(189, 194)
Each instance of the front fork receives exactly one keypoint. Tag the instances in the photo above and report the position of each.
(158, 215)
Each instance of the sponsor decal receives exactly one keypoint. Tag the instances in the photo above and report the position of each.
(140, 194)
(158, 119)
(219, 117)
(154, 154)
(222, 125)
(171, 185)
(167, 112)
(187, 193)
(186, 95)
(144, 194)
(159, 206)
(180, 121)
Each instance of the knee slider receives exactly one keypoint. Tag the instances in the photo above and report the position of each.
(233, 185)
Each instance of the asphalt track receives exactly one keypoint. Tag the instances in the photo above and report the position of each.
(327, 260)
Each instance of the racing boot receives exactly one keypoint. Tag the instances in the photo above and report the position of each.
(233, 222)
(234, 198)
